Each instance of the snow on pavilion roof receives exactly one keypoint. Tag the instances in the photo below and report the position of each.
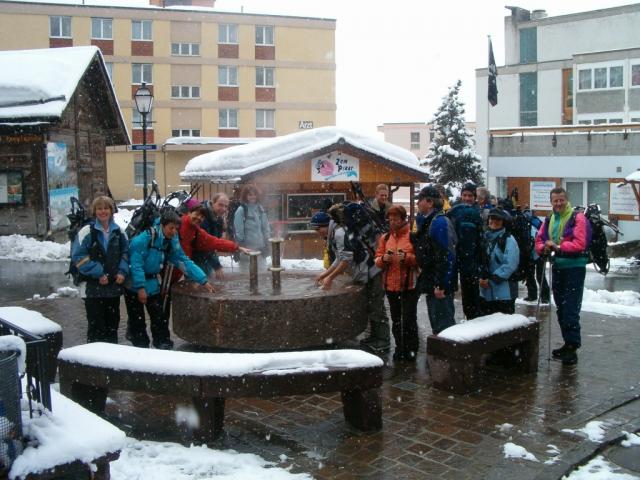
(233, 163)
(38, 84)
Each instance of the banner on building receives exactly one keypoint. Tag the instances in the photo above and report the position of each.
(622, 201)
(539, 193)
(62, 183)
(335, 167)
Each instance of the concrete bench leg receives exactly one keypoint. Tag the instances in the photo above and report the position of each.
(529, 356)
(363, 409)
(92, 398)
(457, 375)
(211, 413)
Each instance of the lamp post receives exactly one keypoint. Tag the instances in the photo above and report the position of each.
(144, 104)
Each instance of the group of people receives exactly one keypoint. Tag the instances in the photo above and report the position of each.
(112, 265)
(468, 244)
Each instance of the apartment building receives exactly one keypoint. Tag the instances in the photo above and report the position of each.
(212, 74)
(568, 111)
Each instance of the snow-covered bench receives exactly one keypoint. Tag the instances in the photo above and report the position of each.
(68, 442)
(88, 371)
(36, 324)
(455, 356)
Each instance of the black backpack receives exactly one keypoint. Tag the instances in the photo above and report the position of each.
(361, 229)
(598, 242)
(520, 228)
(468, 226)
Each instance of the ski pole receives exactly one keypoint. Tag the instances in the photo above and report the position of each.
(551, 259)
(544, 268)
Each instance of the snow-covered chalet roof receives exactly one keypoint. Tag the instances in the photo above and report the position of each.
(36, 86)
(633, 177)
(234, 163)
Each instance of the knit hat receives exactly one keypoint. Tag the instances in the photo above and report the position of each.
(320, 219)
(469, 187)
(191, 203)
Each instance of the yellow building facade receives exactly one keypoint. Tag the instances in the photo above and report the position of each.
(212, 74)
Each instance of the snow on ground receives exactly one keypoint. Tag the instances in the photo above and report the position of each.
(164, 461)
(511, 450)
(26, 249)
(598, 469)
(620, 304)
(631, 440)
(594, 430)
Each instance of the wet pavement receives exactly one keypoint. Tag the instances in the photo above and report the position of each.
(427, 433)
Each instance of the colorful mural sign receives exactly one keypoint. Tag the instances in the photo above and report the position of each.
(11, 187)
(62, 183)
(335, 167)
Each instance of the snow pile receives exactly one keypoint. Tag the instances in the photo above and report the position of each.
(132, 202)
(66, 434)
(631, 440)
(122, 217)
(598, 469)
(623, 303)
(511, 450)
(302, 264)
(504, 428)
(12, 343)
(555, 454)
(163, 461)
(483, 327)
(122, 357)
(594, 430)
(26, 249)
(29, 320)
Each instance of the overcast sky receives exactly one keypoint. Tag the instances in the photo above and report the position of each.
(396, 59)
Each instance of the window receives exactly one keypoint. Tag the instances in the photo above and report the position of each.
(615, 120)
(141, 29)
(109, 67)
(227, 33)
(635, 75)
(227, 118)
(227, 76)
(185, 91)
(594, 191)
(584, 79)
(101, 28)
(141, 73)
(265, 77)
(302, 206)
(60, 27)
(138, 171)
(528, 99)
(415, 140)
(601, 77)
(528, 45)
(264, 35)
(599, 121)
(265, 119)
(11, 187)
(185, 49)
(185, 132)
(584, 122)
(615, 77)
(137, 119)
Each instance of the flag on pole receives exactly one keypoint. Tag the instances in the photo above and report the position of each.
(492, 93)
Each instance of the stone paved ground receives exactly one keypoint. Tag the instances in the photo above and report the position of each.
(427, 433)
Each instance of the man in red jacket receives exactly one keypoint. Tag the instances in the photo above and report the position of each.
(195, 239)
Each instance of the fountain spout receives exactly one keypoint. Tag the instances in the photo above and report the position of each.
(253, 272)
(276, 267)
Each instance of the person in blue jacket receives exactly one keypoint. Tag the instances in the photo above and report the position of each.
(100, 252)
(498, 292)
(149, 252)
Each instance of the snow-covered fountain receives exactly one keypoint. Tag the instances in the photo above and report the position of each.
(277, 310)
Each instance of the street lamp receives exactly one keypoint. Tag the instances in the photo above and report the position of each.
(144, 104)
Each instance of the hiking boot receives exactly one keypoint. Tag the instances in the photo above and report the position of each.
(569, 355)
(375, 345)
(166, 345)
(544, 300)
(531, 298)
(558, 352)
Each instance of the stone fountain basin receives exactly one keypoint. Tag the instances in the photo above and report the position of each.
(300, 317)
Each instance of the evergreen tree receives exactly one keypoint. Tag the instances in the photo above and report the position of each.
(451, 158)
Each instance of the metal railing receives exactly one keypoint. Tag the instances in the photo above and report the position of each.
(38, 386)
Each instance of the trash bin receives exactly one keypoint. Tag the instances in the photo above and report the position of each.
(10, 416)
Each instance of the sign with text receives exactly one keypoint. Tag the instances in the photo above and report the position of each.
(335, 167)
(622, 201)
(539, 195)
(305, 124)
(149, 146)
